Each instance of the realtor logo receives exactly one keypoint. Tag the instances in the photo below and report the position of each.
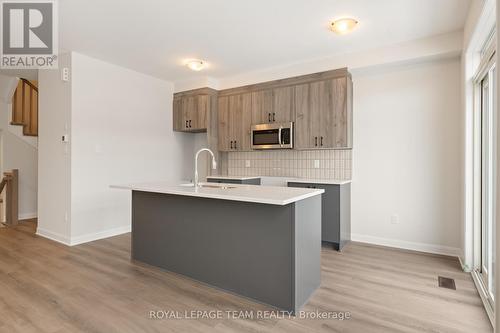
(29, 38)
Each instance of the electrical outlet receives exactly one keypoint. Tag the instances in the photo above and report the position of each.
(394, 219)
(247, 163)
(316, 164)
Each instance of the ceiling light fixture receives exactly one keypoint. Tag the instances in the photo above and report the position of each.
(344, 25)
(195, 64)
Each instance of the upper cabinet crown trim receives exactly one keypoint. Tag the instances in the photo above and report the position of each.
(336, 73)
(199, 91)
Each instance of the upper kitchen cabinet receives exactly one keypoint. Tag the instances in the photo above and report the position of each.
(273, 105)
(319, 104)
(262, 106)
(224, 135)
(324, 114)
(283, 105)
(235, 116)
(192, 109)
(303, 117)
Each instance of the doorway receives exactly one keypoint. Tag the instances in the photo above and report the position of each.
(485, 177)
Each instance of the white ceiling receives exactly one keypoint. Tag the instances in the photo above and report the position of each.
(235, 36)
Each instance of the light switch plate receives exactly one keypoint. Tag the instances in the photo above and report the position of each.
(395, 219)
(247, 163)
(65, 74)
(316, 164)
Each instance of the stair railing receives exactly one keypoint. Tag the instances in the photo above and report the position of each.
(10, 183)
(25, 107)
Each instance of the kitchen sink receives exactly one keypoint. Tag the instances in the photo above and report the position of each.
(220, 186)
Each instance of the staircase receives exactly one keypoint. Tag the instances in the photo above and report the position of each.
(25, 107)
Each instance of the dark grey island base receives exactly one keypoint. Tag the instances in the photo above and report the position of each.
(336, 213)
(269, 253)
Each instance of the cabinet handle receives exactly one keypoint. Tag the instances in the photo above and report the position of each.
(321, 141)
(190, 124)
(269, 117)
(231, 144)
(274, 116)
(187, 124)
(315, 141)
(234, 144)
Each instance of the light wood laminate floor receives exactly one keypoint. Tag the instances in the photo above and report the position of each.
(48, 287)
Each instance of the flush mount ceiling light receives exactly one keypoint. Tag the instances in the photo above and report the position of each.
(344, 25)
(195, 64)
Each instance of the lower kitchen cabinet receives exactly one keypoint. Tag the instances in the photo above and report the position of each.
(248, 181)
(335, 212)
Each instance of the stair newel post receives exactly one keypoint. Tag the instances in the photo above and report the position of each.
(12, 198)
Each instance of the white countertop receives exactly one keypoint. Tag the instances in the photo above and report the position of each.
(233, 177)
(248, 193)
(318, 181)
(283, 180)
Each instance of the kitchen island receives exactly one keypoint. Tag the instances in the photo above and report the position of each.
(260, 242)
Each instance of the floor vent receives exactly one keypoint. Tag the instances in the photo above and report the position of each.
(447, 283)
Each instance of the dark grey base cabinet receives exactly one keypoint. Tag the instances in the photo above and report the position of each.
(252, 181)
(335, 214)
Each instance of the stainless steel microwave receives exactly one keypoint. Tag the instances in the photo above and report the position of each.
(272, 136)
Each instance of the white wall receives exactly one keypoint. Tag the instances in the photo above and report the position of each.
(406, 157)
(121, 133)
(54, 177)
(18, 152)
(431, 48)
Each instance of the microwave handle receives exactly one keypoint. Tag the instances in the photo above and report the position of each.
(279, 136)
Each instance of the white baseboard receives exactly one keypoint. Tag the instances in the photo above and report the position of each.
(421, 247)
(53, 236)
(27, 216)
(99, 235)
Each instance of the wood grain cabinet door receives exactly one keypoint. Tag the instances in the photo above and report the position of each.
(283, 104)
(319, 110)
(188, 111)
(200, 114)
(336, 127)
(177, 114)
(223, 123)
(246, 122)
(329, 117)
(235, 121)
(303, 120)
(262, 107)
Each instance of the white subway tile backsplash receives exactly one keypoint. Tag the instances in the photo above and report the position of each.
(334, 164)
